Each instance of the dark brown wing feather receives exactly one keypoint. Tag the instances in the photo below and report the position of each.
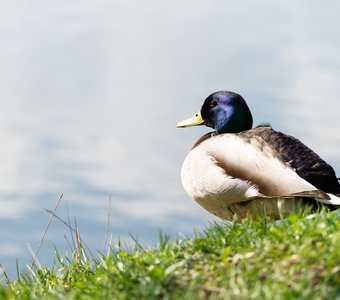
(302, 159)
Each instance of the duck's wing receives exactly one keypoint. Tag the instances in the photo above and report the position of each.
(250, 158)
(302, 159)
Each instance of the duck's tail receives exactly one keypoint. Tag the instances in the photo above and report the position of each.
(334, 200)
(320, 196)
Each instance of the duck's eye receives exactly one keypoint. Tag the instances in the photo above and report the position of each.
(213, 103)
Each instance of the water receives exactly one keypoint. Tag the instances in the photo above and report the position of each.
(91, 92)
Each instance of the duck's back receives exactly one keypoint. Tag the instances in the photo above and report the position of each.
(302, 159)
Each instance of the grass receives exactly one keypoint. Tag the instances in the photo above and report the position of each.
(297, 258)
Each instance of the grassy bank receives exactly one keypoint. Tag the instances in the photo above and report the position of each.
(295, 258)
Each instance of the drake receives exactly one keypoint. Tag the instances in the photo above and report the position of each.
(238, 171)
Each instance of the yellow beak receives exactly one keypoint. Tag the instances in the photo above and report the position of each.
(196, 120)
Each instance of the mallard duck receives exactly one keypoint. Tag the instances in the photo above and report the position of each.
(238, 171)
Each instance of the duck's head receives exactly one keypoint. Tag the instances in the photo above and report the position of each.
(224, 111)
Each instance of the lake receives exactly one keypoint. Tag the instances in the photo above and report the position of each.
(91, 92)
